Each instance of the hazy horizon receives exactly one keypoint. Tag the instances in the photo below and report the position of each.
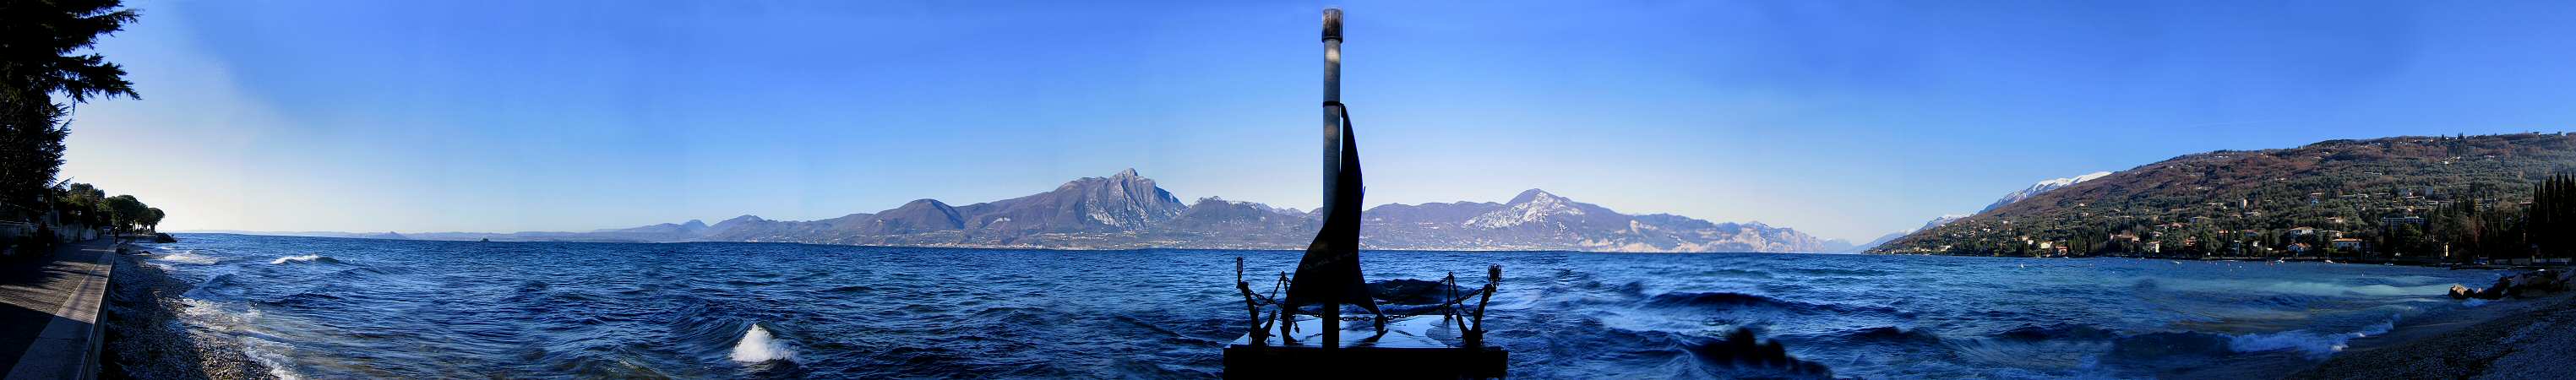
(1841, 120)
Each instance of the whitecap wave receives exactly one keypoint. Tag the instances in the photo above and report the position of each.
(273, 355)
(2315, 345)
(268, 350)
(186, 257)
(304, 258)
(2309, 288)
(758, 345)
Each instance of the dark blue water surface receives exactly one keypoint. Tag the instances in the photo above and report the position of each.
(360, 308)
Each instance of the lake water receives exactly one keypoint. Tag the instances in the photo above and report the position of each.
(361, 308)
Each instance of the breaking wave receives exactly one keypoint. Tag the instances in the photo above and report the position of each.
(2315, 345)
(1891, 334)
(316, 259)
(187, 257)
(1734, 301)
(2155, 346)
(758, 345)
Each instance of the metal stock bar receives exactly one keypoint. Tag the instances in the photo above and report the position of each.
(1471, 322)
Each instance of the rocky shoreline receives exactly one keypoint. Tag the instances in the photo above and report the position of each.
(147, 340)
(2528, 336)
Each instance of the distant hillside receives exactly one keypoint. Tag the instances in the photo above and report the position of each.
(2266, 202)
(2035, 189)
(1127, 211)
(1883, 240)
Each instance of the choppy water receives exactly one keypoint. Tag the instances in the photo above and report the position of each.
(356, 308)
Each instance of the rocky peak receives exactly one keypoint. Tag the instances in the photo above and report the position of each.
(1530, 206)
(1124, 201)
(1535, 195)
(1129, 200)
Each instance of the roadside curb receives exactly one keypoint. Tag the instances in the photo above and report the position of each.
(74, 329)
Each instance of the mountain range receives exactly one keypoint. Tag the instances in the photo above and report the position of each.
(1128, 211)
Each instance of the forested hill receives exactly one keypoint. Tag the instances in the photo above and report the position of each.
(2390, 195)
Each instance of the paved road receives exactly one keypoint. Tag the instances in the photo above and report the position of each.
(49, 311)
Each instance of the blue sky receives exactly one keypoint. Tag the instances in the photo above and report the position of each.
(1843, 119)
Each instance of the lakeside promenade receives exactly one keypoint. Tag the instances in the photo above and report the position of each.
(49, 311)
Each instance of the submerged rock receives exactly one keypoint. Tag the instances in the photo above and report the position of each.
(2503, 287)
(1741, 355)
(1414, 292)
(2543, 280)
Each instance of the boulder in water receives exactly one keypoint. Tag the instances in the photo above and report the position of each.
(2543, 280)
(158, 237)
(2503, 287)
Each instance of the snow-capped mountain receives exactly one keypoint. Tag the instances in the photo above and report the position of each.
(1937, 222)
(1538, 206)
(2042, 187)
(1539, 220)
(2035, 189)
(1532, 206)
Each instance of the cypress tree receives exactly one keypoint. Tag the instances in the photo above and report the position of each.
(2553, 216)
(40, 58)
